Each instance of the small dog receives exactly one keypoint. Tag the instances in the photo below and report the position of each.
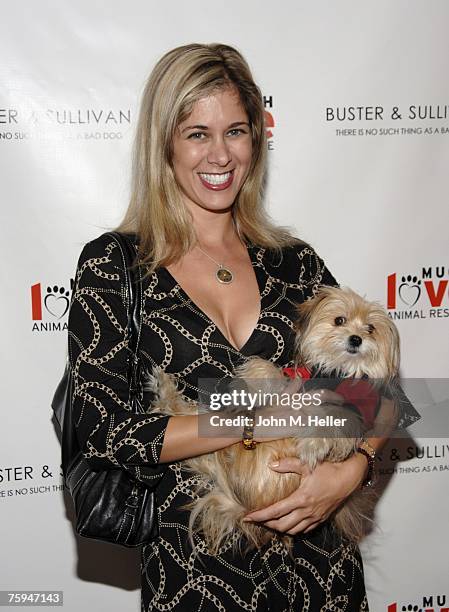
(338, 334)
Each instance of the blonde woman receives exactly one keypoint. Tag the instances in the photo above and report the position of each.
(220, 285)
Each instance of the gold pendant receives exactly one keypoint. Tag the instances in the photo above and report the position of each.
(224, 276)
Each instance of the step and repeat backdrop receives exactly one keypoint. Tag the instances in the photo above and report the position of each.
(357, 107)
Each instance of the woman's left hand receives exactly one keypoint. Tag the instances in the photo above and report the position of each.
(320, 493)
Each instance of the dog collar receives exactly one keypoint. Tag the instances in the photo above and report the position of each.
(302, 371)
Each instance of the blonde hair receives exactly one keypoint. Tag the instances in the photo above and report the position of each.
(156, 212)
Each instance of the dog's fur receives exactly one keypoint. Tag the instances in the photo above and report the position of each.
(237, 481)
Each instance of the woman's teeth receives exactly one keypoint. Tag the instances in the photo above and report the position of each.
(216, 179)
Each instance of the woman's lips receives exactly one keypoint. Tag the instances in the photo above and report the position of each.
(217, 182)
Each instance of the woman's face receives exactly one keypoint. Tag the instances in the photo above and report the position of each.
(212, 151)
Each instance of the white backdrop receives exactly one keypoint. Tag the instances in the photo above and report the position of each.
(370, 195)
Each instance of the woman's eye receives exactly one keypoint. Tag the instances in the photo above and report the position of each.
(371, 328)
(237, 132)
(340, 321)
(196, 135)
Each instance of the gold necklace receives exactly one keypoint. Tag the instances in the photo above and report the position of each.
(223, 275)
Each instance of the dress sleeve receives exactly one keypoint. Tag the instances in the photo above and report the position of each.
(109, 433)
(327, 278)
(313, 272)
(407, 413)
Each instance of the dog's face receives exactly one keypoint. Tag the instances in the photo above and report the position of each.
(338, 330)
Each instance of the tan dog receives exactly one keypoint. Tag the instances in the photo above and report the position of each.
(337, 331)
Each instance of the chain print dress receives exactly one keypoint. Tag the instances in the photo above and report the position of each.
(324, 573)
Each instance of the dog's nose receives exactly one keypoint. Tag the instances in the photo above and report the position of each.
(355, 341)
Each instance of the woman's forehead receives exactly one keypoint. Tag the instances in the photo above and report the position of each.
(224, 102)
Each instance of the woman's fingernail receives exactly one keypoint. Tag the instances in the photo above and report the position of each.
(274, 464)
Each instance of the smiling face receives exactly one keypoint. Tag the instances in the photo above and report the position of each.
(212, 151)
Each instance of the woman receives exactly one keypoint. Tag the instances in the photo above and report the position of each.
(221, 283)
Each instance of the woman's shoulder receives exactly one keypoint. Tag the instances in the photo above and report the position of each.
(298, 263)
(298, 247)
(286, 254)
(102, 262)
(107, 247)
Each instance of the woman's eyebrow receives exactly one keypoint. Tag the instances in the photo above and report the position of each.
(205, 127)
(194, 127)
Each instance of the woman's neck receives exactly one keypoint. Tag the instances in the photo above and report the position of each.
(215, 229)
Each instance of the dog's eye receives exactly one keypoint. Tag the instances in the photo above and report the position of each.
(371, 328)
(340, 321)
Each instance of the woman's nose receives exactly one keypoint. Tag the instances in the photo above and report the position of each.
(219, 152)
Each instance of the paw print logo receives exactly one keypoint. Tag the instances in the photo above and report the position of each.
(411, 608)
(57, 301)
(410, 290)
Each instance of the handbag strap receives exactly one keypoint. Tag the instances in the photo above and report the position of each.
(134, 294)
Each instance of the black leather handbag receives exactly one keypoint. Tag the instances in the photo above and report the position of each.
(110, 505)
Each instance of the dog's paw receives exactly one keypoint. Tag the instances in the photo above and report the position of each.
(341, 448)
(259, 376)
(256, 367)
(312, 451)
(333, 440)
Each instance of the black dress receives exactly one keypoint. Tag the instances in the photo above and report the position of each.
(325, 572)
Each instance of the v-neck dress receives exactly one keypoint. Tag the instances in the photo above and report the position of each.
(325, 572)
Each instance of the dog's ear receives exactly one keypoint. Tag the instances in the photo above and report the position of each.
(305, 309)
(394, 351)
